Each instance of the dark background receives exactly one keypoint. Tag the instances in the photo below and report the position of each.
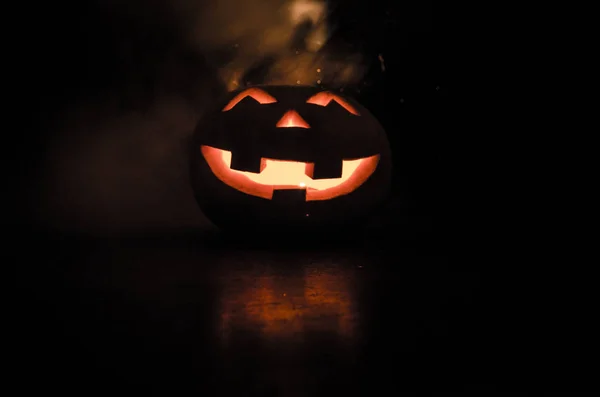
(92, 70)
(436, 301)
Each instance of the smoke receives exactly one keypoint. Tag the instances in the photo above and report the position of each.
(275, 42)
(121, 172)
(119, 160)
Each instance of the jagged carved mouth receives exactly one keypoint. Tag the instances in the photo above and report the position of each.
(319, 182)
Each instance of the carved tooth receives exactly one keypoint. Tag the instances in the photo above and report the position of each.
(309, 169)
(327, 169)
(246, 162)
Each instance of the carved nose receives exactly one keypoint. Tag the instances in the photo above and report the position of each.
(291, 118)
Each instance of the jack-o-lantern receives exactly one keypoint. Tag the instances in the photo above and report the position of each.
(289, 156)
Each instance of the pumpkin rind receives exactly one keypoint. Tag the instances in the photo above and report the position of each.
(249, 132)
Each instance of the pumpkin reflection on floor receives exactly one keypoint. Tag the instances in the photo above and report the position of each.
(288, 303)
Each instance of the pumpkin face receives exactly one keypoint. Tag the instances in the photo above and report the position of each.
(289, 156)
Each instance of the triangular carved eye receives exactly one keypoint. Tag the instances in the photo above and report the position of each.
(324, 98)
(257, 94)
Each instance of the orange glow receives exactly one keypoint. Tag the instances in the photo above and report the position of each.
(289, 305)
(283, 174)
(265, 305)
(323, 99)
(330, 292)
(257, 94)
(292, 119)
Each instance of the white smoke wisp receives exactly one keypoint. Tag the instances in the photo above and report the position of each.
(113, 169)
(256, 30)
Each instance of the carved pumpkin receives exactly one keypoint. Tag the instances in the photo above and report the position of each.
(289, 156)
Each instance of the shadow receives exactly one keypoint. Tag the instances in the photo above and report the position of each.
(194, 311)
(288, 322)
(99, 314)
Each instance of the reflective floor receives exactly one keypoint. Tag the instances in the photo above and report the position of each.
(174, 314)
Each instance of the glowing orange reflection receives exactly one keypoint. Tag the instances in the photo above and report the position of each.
(328, 294)
(257, 94)
(288, 306)
(323, 99)
(283, 174)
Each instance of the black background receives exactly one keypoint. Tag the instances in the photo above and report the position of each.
(444, 305)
